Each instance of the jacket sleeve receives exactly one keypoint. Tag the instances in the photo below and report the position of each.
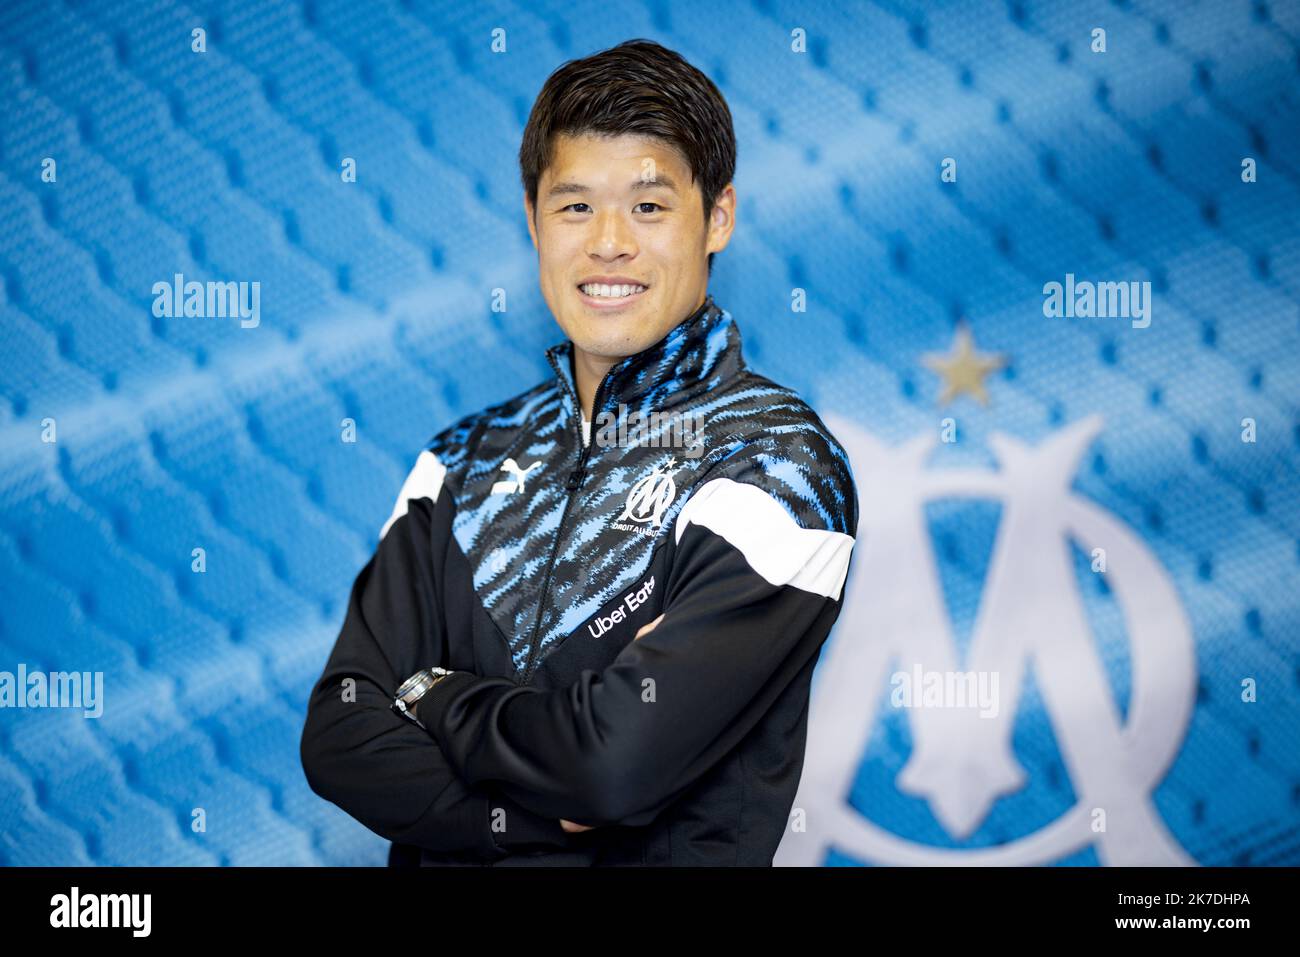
(357, 752)
(750, 598)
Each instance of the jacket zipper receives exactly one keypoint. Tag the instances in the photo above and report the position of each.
(572, 485)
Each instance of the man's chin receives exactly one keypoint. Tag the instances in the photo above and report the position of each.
(603, 348)
(608, 336)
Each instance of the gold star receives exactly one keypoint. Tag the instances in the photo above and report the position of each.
(964, 369)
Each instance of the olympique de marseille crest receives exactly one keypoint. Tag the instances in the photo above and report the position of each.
(650, 496)
(1031, 610)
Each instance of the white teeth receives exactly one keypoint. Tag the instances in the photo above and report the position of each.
(610, 292)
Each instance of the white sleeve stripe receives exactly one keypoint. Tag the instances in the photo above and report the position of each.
(424, 481)
(774, 544)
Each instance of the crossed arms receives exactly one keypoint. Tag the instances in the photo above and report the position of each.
(749, 600)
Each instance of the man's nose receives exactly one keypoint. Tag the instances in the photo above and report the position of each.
(612, 235)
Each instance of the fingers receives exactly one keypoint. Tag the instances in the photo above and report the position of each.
(647, 628)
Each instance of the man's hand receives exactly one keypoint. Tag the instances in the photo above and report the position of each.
(645, 629)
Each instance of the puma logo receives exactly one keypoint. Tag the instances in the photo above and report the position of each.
(517, 483)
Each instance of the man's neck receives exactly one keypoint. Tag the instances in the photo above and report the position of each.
(588, 371)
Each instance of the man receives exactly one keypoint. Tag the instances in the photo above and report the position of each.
(578, 646)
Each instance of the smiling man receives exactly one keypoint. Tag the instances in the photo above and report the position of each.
(573, 649)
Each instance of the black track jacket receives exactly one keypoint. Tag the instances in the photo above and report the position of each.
(525, 552)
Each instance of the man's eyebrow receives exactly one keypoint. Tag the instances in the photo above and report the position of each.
(663, 181)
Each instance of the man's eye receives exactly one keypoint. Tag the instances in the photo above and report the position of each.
(656, 206)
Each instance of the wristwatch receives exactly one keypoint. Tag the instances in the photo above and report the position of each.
(416, 687)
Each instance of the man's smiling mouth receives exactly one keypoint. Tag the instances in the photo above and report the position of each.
(608, 294)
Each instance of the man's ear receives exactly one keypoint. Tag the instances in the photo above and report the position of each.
(529, 215)
(722, 219)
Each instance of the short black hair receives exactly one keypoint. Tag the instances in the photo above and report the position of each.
(641, 88)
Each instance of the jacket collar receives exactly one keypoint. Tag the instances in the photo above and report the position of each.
(697, 355)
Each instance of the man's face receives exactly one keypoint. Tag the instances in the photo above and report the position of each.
(624, 208)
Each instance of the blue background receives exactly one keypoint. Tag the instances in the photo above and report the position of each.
(375, 305)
